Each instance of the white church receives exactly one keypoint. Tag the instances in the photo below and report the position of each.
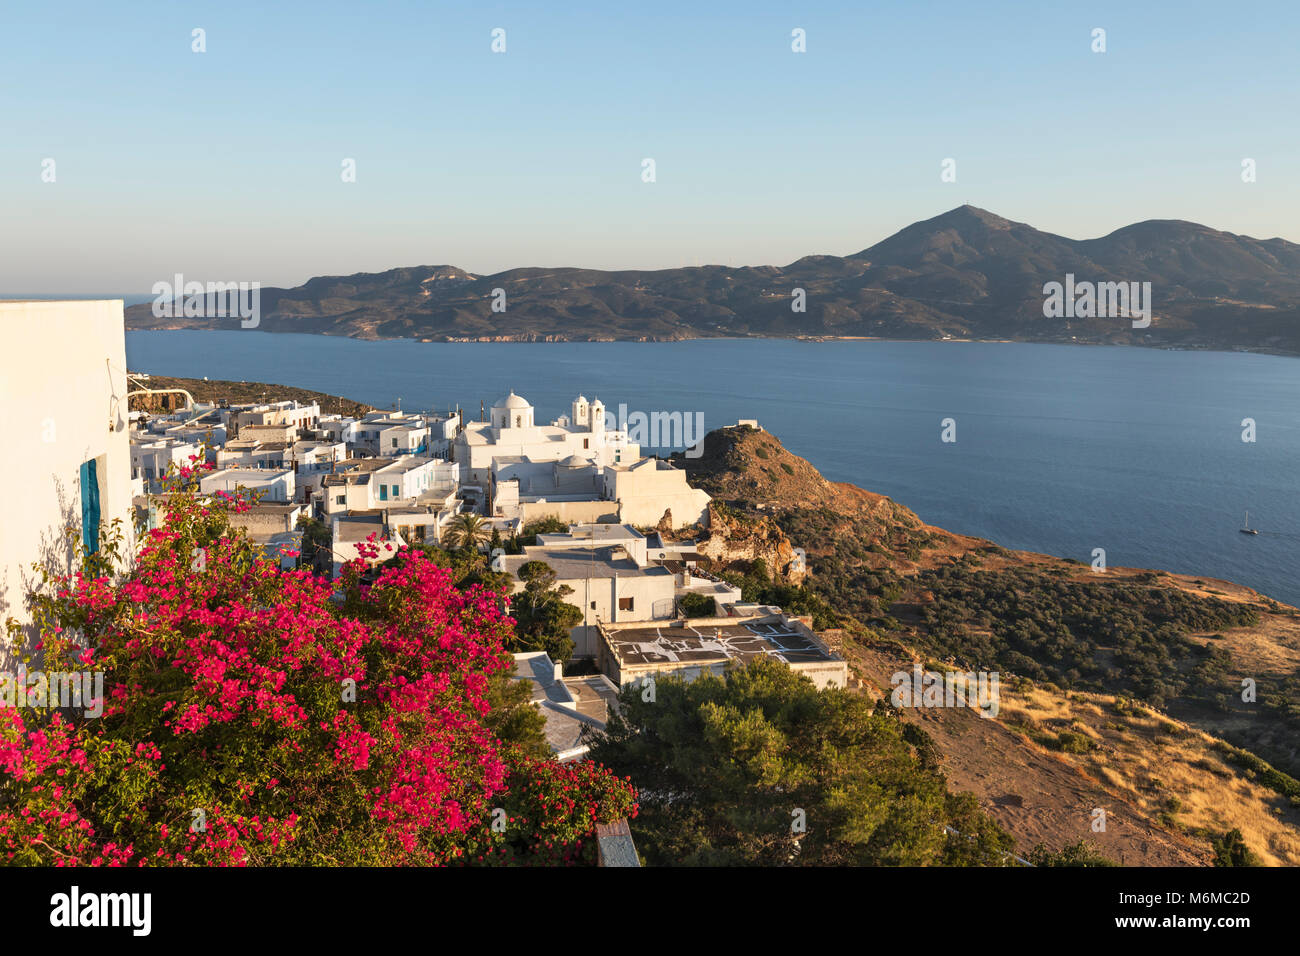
(511, 431)
(576, 469)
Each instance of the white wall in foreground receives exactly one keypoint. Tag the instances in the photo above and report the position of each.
(62, 382)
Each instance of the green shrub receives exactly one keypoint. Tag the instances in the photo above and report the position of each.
(1076, 854)
(1072, 742)
(1230, 850)
(697, 605)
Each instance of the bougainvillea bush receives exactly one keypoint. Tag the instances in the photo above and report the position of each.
(256, 716)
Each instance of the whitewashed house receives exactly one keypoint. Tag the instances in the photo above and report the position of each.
(339, 429)
(266, 483)
(364, 484)
(152, 458)
(297, 416)
(609, 585)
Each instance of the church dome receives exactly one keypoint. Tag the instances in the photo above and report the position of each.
(511, 401)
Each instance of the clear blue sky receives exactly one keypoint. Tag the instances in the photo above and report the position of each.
(226, 165)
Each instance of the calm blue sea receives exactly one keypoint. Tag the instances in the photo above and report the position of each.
(1059, 449)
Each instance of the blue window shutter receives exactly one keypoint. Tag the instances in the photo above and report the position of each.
(90, 507)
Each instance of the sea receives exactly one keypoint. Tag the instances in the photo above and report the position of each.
(1152, 455)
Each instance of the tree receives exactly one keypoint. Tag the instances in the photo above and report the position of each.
(543, 620)
(467, 532)
(760, 767)
(249, 718)
(317, 544)
(547, 525)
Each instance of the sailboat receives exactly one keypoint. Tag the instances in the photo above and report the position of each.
(1246, 528)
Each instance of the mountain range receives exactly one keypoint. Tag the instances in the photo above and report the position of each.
(965, 274)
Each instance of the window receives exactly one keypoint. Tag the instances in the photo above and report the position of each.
(383, 492)
(625, 604)
(593, 605)
(585, 442)
(341, 500)
(90, 506)
(395, 494)
(394, 442)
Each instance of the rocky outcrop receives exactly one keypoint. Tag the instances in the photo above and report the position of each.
(733, 539)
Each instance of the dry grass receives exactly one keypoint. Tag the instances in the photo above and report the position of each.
(1151, 758)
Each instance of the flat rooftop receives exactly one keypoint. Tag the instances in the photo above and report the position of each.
(352, 529)
(596, 695)
(350, 466)
(571, 563)
(238, 471)
(706, 641)
(591, 532)
(563, 729)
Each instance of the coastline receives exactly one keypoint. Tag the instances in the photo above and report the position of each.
(803, 339)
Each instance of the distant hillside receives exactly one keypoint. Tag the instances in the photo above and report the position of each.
(1120, 689)
(964, 274)
(237, 393)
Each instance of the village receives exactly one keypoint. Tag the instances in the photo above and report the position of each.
(615, 527)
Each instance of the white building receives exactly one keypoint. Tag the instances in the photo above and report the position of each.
(694, 646)
(576, 469)
(362, 536)
(608, 586)
(338, 428)
(276, 431)
(645, 490)
(399, 433)
(569, 704)
(312, 461)
(572, 490)
(643, 551)
(267, 484)
(512, 432)
(277, 413)
(255, 453)
(364, 484)
(63, 424)
(392, 434)
(578, 490)
(152, 458)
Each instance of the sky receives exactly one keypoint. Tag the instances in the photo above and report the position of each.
(227, 165)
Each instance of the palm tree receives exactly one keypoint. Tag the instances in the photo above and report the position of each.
(467, 531)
